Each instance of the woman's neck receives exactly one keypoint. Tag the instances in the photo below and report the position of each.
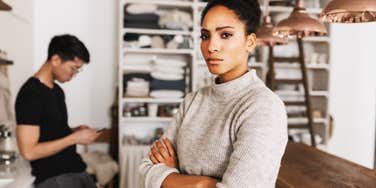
(233, 74)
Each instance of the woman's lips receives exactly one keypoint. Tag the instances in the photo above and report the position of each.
(214, 61)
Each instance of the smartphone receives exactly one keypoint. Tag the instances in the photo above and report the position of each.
(100, 130)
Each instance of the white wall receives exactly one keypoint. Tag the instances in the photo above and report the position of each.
(352, 95)
(16, 39)
(90, 95)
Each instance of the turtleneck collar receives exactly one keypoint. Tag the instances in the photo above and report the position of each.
(236, 87)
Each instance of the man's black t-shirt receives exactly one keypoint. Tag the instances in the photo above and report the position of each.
(39, 105)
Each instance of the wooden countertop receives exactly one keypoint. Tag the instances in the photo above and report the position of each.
(305, 166)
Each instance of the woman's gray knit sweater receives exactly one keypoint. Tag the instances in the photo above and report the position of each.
(235, 131)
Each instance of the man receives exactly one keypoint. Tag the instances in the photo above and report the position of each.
(43, 135)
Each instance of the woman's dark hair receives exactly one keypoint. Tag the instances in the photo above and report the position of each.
(248, 11)
(67, 47)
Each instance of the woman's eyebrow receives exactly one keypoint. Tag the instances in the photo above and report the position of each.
(217, 29)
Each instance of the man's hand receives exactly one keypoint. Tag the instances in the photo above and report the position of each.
(85, 135)
(80, 127)
(160, 154)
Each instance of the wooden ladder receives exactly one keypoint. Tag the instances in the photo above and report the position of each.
(272, 82)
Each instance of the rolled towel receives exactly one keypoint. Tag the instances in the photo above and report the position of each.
(144, 40)
(157, 42)
(166, 94)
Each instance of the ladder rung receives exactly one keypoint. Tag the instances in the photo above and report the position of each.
(298, 126)
(296, 114)
(289, 81)
(286, 59)
(295, 103)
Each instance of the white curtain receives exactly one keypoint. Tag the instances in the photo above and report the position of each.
(130, 159)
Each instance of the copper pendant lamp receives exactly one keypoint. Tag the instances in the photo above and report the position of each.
(264, 34)
(4, 6)
(300, 24)
(349, 11)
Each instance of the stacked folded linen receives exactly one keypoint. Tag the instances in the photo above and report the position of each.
(168, 78)
(166, 94)
(141, 16)
(136, 84)
(137, 87)
(157, 84)
(176, 19)
(137, 64)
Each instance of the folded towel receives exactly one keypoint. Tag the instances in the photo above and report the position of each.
(144, 25)
(131, 76)
(131, 37)
(136, 8)
(166, 94)
(151, 17)
(167, 85)
(132, 59)
(169, 62)
(137, 88)
(137, 68)
(164, 76)
(169, 70)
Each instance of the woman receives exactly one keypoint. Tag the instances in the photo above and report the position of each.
(234, 133)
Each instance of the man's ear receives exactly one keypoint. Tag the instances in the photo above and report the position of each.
(55, 60)
(251, 42)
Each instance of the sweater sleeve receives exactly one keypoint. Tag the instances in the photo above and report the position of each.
(259, 144)
(154, 174)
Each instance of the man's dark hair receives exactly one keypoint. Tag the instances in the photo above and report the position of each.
(67, 47)
(248, 11)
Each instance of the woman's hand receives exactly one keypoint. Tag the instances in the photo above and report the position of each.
(166, 155)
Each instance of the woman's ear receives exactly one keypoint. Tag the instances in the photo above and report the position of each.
(251, 42)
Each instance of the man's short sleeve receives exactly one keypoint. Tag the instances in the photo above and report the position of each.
(28, 108)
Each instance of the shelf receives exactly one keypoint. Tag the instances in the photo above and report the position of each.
(152, 100)
(277, 9)
(5, 62)
(313, 39)
(147, 119)
(303, 120)
(156, 31)
(295, 93)
(309, 66)
(172, 3)
(159, 51)
(284, 9)
(256, 65)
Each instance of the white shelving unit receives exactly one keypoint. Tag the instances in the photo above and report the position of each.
(197, 68)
